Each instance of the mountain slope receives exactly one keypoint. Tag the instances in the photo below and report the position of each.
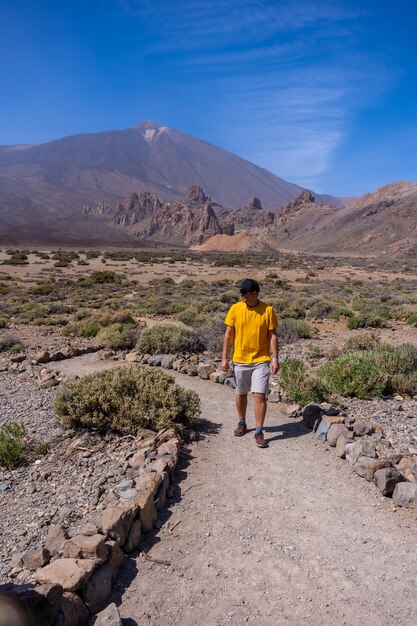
(42, 187)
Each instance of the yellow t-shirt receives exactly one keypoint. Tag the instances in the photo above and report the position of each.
(251, 343)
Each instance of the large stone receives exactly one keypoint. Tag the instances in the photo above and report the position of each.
(33, 559)
(133, 357)
(65, 572)
(230, 382)
(43, 356)
(204, 370)
(353, 451)
(334, 433)
(139, 458)
(322, 429)
(116, 522)
(215, 376)
(108, 617)
(155, 360)
(341, 442)
(147, 485)
(366, 466)
(311, 414)
(86, 547)
(115, 557)
(168, 361)
(404, 494)
(133, 539)
(191, 369)
(98, 588)
(386, 479)
(362, 427)
(73, 609)
(169, 447)
(162, 491)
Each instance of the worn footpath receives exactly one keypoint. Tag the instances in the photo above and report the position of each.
(287, 535)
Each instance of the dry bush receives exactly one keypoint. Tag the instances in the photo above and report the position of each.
(125, 399)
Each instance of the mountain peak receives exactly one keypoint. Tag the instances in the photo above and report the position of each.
(150, 129)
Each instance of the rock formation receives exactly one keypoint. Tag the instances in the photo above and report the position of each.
(249, 216)
(192, 221)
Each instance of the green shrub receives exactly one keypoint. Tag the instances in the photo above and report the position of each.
(125, 399)
(404, 383)
(300, 383)
(403, 312)
(395, 359)
(365, 320)
(10, 342)
(3, 322)
(363, 341)
(168, 338)
(93, 254)
(303, 329)
(101, 278)
(354, 374)
(12, 438)
(119, 336)
(85, 328)
(412, 320)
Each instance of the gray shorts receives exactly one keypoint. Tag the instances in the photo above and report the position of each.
(254, 378)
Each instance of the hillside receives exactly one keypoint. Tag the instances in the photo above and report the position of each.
(42, 187)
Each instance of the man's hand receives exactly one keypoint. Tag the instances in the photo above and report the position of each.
(225, 365)
(274, 367)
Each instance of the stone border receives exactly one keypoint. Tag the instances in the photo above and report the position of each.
(361, 442)
(72, 576)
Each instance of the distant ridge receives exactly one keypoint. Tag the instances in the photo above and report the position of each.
(44, 186)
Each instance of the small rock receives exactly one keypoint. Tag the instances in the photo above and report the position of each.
(334, 433)
(404, 494)
(133, 357)
(108, 617)
(341, 442)
(55, 539)
(191, 370)
(204, 370)
(155, 360)
(115, 557)
(311, 414)
(362, 427)
(32, 559)
(386, 479)
(83, 547)
(168, 361)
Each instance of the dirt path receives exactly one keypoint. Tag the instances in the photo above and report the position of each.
(287, 535)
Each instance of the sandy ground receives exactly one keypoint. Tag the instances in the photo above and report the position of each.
(287, 535)
(143, 272)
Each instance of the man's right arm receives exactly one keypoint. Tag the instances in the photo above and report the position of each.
(227, 342)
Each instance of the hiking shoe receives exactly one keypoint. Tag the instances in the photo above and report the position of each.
(260, 441)
(240, 430)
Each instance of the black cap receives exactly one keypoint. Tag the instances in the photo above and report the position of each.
(249, 285)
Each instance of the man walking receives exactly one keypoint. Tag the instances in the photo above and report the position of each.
(251, 327)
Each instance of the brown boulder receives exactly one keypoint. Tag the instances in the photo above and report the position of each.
(98, 588)
(64, 572)
(116, 522)
(73, 609)
(86, 547)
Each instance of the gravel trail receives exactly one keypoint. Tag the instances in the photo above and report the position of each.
(287, 535)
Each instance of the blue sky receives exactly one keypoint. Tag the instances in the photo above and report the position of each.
(321, 93)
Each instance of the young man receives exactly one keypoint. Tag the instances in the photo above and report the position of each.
(251, 327)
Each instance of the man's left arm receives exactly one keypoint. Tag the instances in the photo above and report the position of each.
(273, 343)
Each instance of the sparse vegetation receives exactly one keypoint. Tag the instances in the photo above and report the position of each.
(168, 338)
(126, 399)
(12, 441)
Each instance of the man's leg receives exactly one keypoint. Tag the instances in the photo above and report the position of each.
(241, 405)
(260, 408)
